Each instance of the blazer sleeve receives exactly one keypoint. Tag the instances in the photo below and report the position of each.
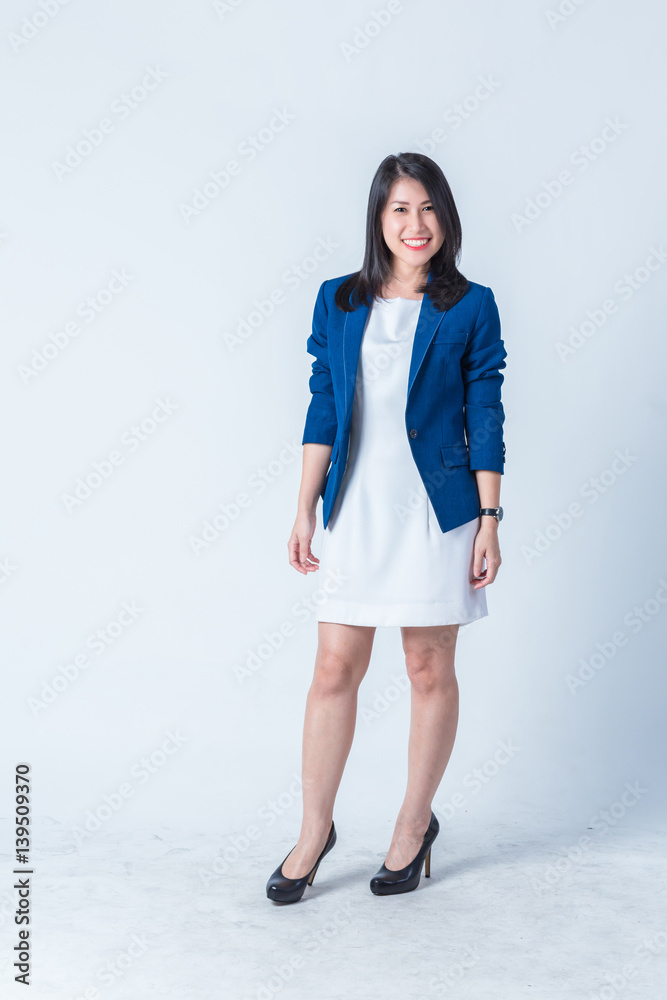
(483, 357)
(321, 423)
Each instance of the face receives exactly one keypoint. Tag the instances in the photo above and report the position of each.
(409, 225)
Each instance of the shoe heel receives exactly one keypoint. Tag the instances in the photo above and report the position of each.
(290, 890)
(427, 865)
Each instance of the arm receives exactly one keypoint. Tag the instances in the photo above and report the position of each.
(313, 472)
(314, 468)
(484, 415)
(318, 437)
(488, 484)
(486, 540)
(321, 423)
(483, 357)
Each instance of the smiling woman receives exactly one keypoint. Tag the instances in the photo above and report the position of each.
(406, 403)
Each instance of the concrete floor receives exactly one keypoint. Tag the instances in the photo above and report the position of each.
(505, 913)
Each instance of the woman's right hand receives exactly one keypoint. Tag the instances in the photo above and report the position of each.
(298, 547)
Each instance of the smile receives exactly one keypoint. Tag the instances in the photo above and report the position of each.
(416, 244)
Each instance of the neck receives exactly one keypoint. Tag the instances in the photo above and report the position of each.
(406, 278)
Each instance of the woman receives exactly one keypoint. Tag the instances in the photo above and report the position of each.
(406, 405)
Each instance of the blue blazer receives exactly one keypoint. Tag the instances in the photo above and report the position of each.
(453, 415)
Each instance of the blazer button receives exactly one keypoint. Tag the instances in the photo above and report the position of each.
(413, 433)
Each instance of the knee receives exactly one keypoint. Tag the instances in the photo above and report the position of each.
(334, 674)
(428, 670)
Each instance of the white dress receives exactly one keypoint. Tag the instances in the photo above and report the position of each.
(384, 558)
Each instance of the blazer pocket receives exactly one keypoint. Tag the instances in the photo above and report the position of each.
(454, 454)
(446, 334)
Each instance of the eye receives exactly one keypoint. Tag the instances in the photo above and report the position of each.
(402, 208)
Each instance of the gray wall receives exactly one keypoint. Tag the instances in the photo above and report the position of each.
(187, 402)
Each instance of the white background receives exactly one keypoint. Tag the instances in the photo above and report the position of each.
(351, 94)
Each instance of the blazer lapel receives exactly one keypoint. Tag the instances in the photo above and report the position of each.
(427, 324)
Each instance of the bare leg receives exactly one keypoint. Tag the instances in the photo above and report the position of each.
(343, 655)
(429, 658)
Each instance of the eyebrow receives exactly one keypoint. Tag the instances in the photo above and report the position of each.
(427, 201)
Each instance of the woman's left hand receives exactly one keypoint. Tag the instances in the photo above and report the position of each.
(486, 547)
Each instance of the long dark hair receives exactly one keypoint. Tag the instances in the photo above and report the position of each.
(447, 284)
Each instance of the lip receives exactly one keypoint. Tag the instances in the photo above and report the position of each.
(423, 247)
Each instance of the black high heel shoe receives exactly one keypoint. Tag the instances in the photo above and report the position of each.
(290, 890)
(387, 882)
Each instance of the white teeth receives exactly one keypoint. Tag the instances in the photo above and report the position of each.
(416, 243)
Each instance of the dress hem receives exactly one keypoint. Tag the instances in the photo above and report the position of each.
(398, 615)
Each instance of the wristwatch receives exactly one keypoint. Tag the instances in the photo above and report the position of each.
(496, 512)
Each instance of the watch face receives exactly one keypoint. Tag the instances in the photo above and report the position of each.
(500, 513)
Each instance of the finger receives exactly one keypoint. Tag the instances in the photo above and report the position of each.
(478, 563)
(306, 556)
(293, 549)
